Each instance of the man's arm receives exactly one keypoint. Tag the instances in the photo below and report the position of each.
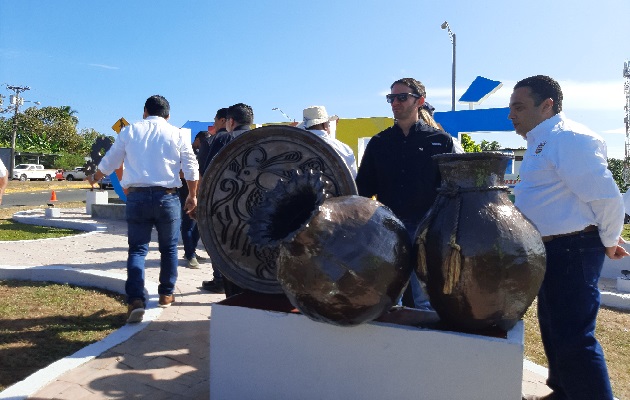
(190, 206)
(4, 181)
(366, 175)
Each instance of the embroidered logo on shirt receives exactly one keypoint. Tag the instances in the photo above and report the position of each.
(421, 148)
(436, 144)
(540, 147)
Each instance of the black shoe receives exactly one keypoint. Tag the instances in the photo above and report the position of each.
(201, 259)
(214, 286)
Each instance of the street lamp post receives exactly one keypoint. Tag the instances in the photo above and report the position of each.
(16, 101)
(451, 34)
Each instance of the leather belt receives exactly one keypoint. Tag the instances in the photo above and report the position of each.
(590, 228)
(151, 189)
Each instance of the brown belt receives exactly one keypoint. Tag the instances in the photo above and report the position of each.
(590, 228)
(151, 189)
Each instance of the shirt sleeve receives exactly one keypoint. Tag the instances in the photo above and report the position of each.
(116, 154)
(366, 175)
(581, 164)
(190, 165)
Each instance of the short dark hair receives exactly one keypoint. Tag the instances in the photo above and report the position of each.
(416, 86)
(543, 87)
(241, 113)
(221, 113)
(201, 135)
(157, 106)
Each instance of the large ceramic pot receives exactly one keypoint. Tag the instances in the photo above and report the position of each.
(481, 259)
(235, 183)
(342, 260)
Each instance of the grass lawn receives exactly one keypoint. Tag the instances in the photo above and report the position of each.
(42, 322)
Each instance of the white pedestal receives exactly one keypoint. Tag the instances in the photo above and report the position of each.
(95, 197)
(623, 285)
(261, 354)
(52, 212)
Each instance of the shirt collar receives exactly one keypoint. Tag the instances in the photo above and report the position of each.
(416, 128)
(154, 118)
(545, 126)
(318, 132)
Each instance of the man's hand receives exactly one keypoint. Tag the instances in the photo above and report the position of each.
(617, 252)
(95, 177)
(91, 181)
(190, 206)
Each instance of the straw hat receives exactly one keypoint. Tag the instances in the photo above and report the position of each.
(316, 115)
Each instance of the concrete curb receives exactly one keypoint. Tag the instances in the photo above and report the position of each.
(99, 279)
(34, 217)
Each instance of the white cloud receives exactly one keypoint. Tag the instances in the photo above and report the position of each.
(103, 66)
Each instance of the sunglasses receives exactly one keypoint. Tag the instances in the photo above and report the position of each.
(400, 96)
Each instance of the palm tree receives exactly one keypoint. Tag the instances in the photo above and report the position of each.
(70, 113)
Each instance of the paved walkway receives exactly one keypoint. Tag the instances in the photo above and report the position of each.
(169, 358)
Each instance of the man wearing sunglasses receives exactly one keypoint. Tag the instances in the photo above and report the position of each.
(397, 167)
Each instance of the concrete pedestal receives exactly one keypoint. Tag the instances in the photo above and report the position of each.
(52, 212)
(266, 354)
(623, 285)
(95, 197)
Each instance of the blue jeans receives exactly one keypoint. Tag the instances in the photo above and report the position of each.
(145, 210)
(420, 297)
(189, 229)
(568, 302)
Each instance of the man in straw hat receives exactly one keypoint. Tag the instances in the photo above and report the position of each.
(397, 167)
(317, 121)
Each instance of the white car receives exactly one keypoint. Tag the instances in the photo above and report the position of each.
(25, 172)
(77, 174)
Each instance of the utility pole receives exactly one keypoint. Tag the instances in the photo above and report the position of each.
(626, 120)
(16, 101)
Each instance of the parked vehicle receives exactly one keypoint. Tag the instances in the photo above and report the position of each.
(77, 174)
(106, 183)
(59, 175)
(25, 172)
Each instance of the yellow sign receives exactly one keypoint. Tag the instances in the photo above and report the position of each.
(118, 125)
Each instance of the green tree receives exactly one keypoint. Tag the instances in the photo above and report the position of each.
(469, 145)
(48, 130)
(490, 146)
(68, 161)
(70, 113)
(616, 168)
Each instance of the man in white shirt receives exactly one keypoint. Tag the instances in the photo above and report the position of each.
(316, 120)
(4, 179)
(153, 152)
(570, 195)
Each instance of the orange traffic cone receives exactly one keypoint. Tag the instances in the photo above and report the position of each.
(53, 196)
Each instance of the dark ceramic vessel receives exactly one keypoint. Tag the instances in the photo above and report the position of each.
(342, 260)
(482, 261)
(235, 183)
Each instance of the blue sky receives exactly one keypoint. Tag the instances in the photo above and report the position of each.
(105, 58)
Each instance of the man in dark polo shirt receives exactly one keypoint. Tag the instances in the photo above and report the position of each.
(397, 167)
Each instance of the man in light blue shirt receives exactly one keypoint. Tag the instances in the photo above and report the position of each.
(567, 191)
(153, 152)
